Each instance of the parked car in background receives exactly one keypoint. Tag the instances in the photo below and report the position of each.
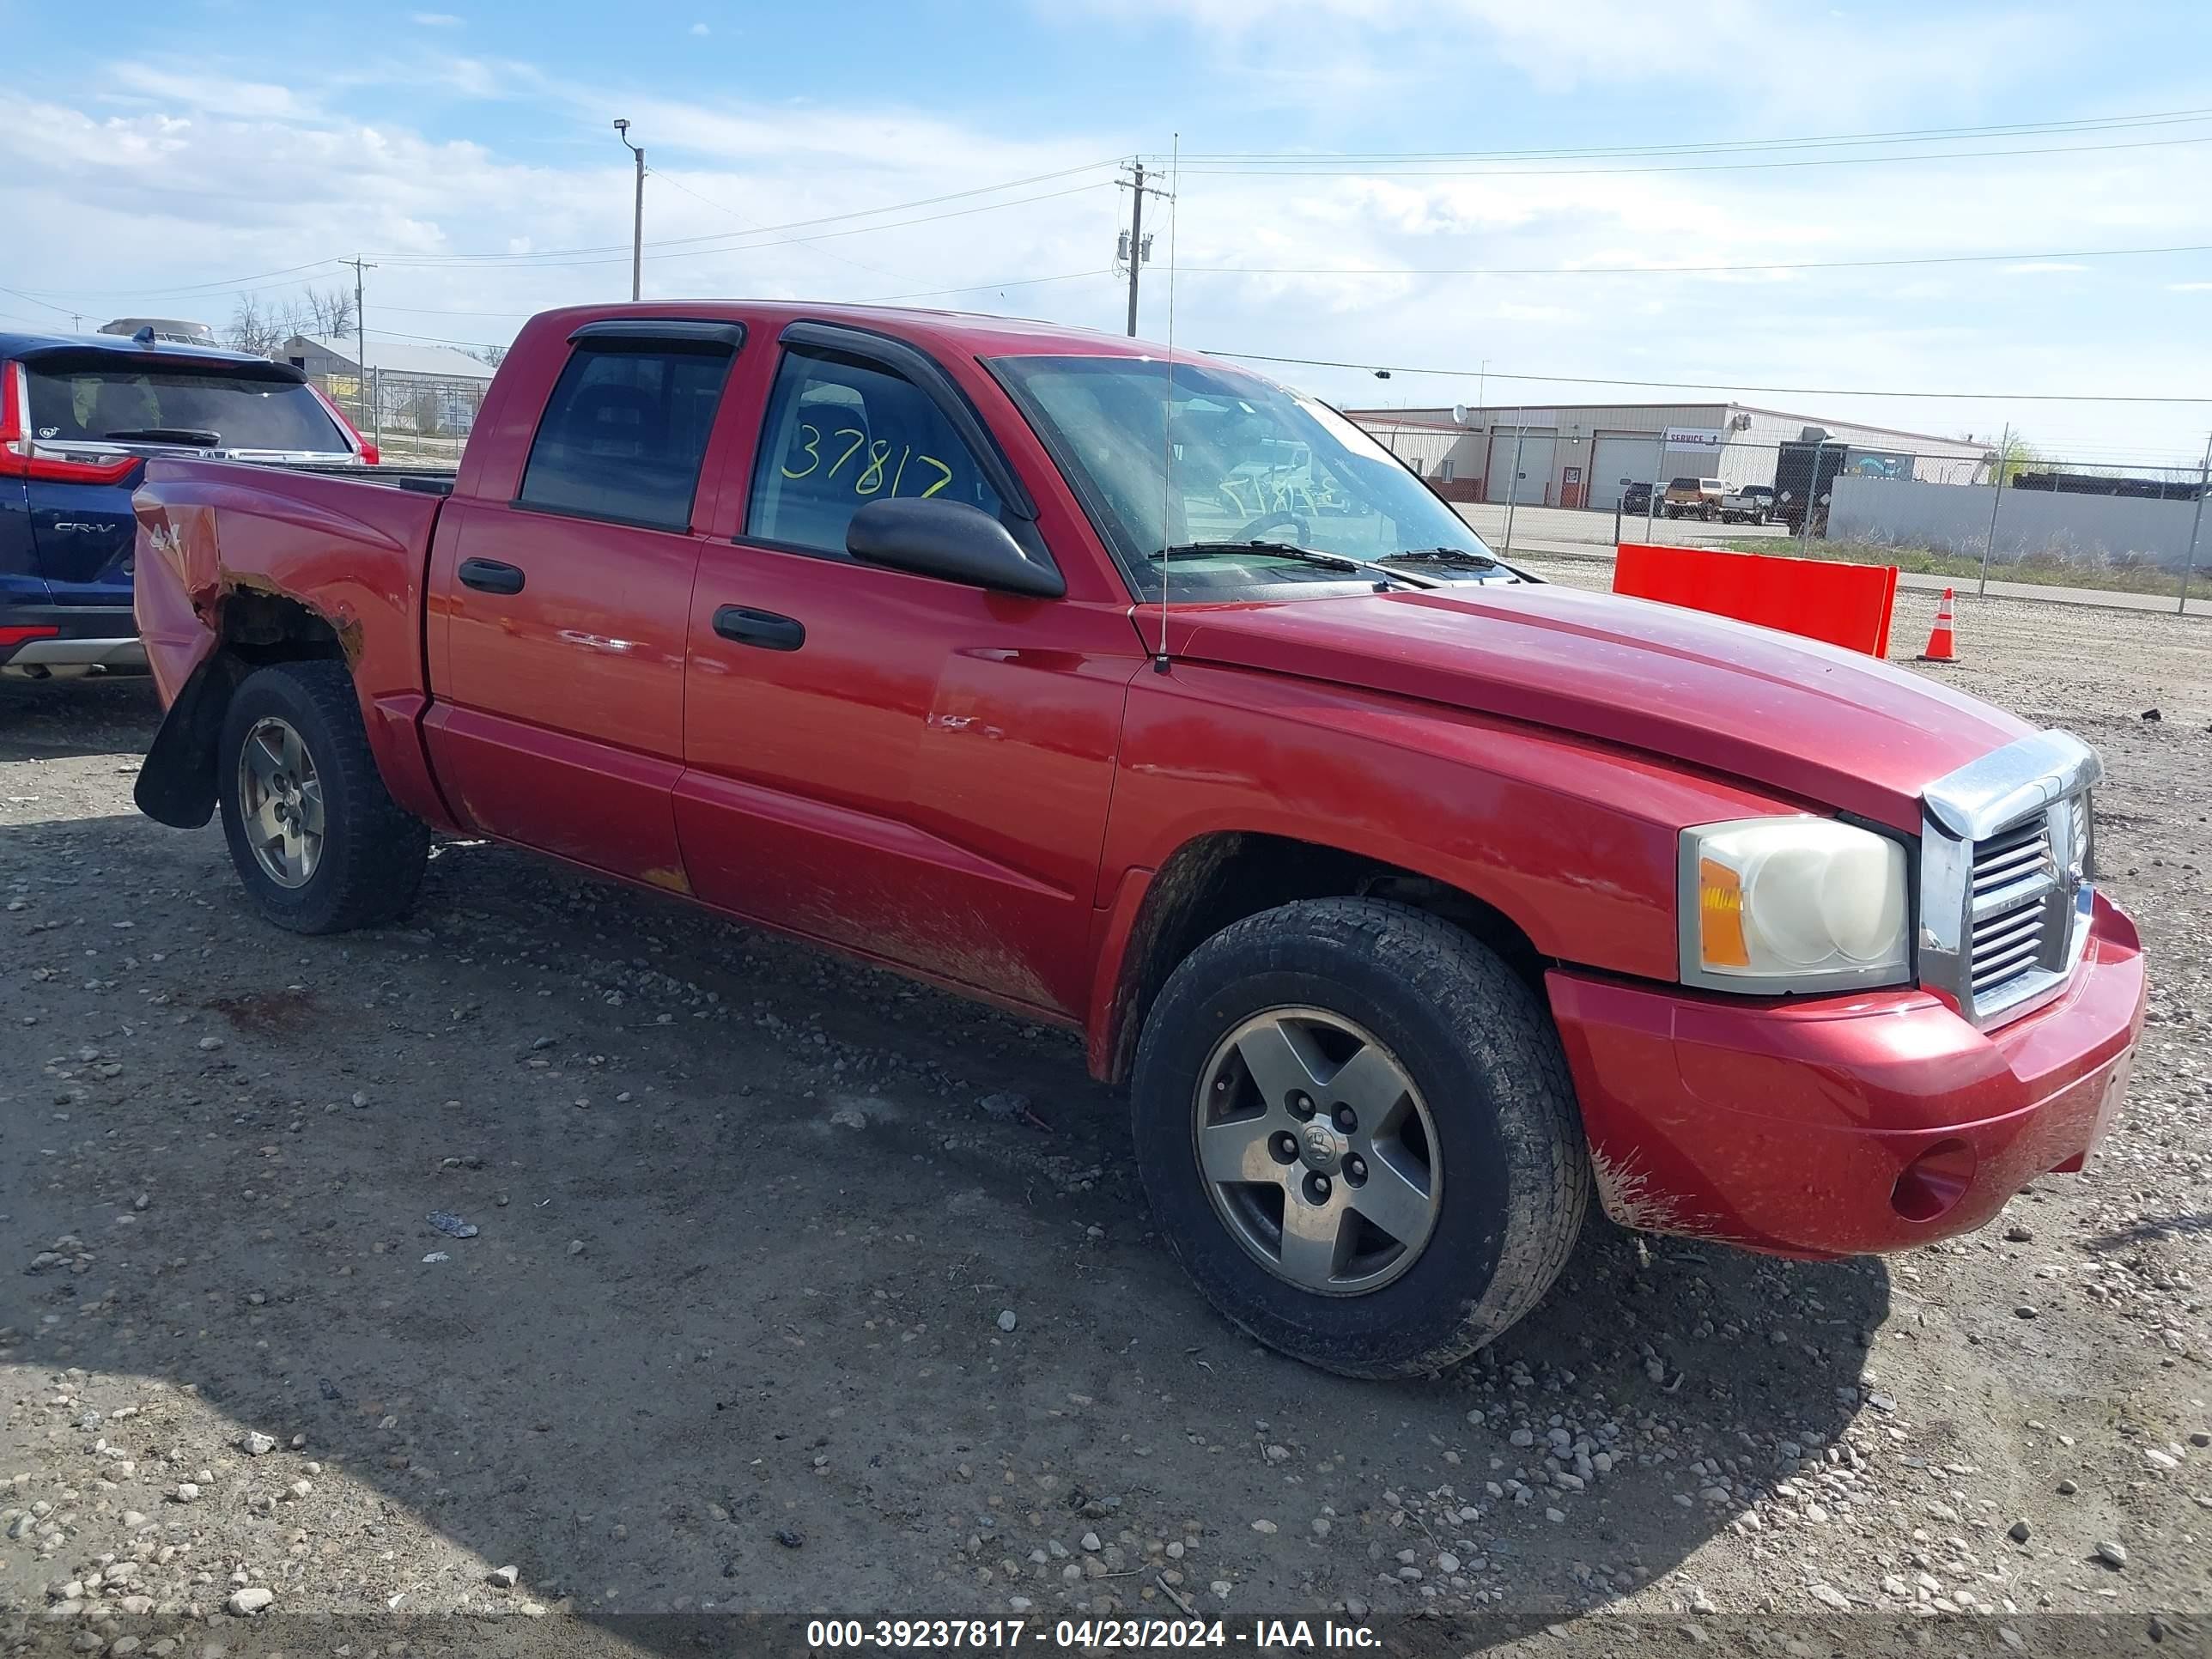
(1418, 902)
(79, 416)
(1752, 504)
(1692, 498)
(178, 329)
(1636, 499)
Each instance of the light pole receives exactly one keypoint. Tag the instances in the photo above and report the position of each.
(637, 221)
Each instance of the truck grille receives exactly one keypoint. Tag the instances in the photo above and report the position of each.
(2014, 874)
(2020, 906)
(2005, 899)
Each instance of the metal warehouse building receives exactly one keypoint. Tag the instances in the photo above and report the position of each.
(1582, 455)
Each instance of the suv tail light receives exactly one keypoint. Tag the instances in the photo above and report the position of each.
(20, 457)
(369, 454)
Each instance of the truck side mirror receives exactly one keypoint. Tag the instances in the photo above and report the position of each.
(951, 540)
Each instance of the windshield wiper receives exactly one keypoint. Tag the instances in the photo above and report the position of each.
(198, 437)
(1456, 556)
(1283, 551)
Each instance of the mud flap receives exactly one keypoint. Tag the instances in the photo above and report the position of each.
(176, 784)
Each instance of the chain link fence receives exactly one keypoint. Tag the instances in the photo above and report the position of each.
(1973, 512)
(410, 419)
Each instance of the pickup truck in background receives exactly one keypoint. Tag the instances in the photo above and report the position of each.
(1692, 498)
(79, 414)
(1748, 504)
(1416, 901)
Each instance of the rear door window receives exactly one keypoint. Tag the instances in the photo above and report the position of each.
(624, 433)
(843, 433)
(205, 407)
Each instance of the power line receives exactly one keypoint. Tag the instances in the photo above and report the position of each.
(794, 224)
(1719, 385)
(1889, 135)
(752, 228)
(1691, 271)
(747, 247)
(189, 288)
(977, 288)
(34, 300)
(1702, 166)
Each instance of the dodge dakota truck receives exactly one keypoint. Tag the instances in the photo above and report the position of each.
(1416, 901)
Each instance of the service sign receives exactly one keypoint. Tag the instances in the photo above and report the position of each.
(1692, 437)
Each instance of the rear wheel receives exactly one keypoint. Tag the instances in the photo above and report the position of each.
(1355, 1126)
(320, 844)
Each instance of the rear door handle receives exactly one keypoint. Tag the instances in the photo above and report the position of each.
(491, 576)
(762, 628)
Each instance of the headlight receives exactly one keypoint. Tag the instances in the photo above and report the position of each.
(1771, 905)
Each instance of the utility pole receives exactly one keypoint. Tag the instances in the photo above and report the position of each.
(1990, 542)
(1513, 484)
(1136, 247)
(637, 217)
(2196, 523)
(360, 339)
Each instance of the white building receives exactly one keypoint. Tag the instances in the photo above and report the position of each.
(431, 391)
(1582, 455)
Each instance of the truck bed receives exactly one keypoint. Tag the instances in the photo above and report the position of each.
(347, 546)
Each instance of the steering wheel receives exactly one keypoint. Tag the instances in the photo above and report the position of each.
(1268, 521)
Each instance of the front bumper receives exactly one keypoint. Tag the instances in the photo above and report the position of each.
(57, 641)
(1842, 1125)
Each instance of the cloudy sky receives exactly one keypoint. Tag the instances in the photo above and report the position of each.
(1534, 179)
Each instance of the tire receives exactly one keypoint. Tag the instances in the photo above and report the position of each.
(1510, 1170)
(366, 866)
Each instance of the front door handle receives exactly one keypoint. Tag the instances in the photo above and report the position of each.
(491, 576)
(762, 628)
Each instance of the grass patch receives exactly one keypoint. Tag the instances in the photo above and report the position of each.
(2045, 570)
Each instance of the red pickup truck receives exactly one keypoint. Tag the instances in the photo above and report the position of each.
(1415, 899)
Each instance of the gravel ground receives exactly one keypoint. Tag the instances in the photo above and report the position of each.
(793, 1287)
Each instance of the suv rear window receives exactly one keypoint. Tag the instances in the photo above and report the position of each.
(179, 405)
(624, 433)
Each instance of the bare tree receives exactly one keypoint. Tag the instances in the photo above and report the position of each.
(254, 329)
(2019, 456)
(331, 310)
(493, 355)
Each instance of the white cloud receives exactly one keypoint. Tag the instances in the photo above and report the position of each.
(701, 28)
(434, 19)
(2042, 268)
(208, 89)
(225, 175)
(2189, 288)
(1761, 54)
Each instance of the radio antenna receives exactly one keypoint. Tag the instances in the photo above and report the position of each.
(1160, 663)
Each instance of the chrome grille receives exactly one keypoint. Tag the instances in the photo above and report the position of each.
(2004, 865)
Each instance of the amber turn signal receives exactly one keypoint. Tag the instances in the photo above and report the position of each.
(1720, 916)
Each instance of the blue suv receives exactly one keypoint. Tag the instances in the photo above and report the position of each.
(79, 414)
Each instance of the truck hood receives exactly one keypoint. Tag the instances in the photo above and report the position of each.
(1794, 715)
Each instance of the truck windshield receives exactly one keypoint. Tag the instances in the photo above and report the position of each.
(1221, 466)
(184, 405)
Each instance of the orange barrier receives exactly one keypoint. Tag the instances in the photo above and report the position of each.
(1846, 605)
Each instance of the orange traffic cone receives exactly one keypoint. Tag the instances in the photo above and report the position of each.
(1942, 646)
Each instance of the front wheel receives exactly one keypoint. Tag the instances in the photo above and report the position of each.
(1356, 1127)
(318, 843)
